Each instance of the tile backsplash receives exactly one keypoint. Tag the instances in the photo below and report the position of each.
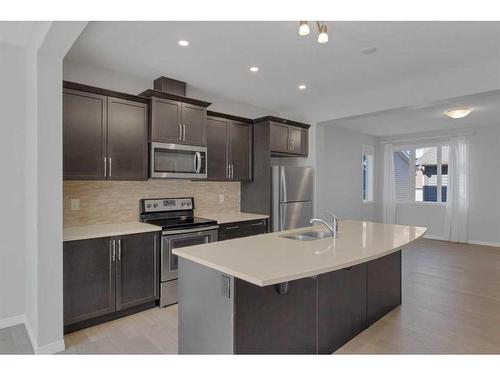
(118, 201)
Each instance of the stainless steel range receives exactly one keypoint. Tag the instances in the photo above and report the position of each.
(180, 228)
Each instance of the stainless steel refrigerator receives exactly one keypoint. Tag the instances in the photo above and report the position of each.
(291, 197)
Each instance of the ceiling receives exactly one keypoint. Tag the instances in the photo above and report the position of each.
(220, 54)
(430, 117)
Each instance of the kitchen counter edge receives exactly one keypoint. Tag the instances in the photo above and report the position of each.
(86, 232)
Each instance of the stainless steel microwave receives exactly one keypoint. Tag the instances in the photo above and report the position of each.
(169, 160)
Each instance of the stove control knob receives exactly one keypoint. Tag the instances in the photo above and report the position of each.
(155, 205)
(148, 205)
(188, 203)
(183, 204)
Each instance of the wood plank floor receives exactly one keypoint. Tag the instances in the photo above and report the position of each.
(451, 304)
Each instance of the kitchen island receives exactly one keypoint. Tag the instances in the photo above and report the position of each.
(275, 294)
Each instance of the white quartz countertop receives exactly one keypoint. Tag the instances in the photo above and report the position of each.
(86, 232)
(223, 218)
(268, 259)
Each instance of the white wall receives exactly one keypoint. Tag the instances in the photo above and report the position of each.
(12, 214)
(339, 177)
(31, 165)
(484, 210)
(59, 39)
(133, 84)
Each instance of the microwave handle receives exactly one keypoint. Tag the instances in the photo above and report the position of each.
(197, 162)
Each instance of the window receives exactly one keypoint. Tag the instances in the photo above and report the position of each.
(421, 173)
(367, 173)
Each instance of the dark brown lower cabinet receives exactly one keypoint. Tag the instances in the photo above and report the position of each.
(105, 276)
(341, 307)
(267, 322)
(240, 229)
(383, 286)
(88, 279)
(137, 270)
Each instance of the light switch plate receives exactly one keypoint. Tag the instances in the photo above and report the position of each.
(75, 204)
(221, 198)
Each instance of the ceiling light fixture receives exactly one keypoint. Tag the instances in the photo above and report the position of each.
(304, 28)
(322, 31)
(254, 69)
(183, 43)
(458, 112)
(323, 34)
(302, 87)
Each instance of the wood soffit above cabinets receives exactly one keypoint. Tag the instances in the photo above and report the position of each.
(282, 121)
(105, 92)
(160, 94)
(229, 117)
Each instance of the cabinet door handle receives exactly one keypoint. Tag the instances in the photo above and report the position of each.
(105, 165)
(180, 132)
(113, 250)
(110, 165)
(184, 132)
(258, 224)
(233, 227)
(228, 173)
(231, 169)
(119, 249)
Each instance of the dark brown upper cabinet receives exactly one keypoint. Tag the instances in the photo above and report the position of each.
(229, 148)
(177, 119)
(217, 136)
(165, 118)
(127, 140)
(84, 135)
(194, 125)
(104, 134)
(286, 139)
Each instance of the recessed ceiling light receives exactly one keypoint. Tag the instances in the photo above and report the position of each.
(458, 112)
(254, 68)
(183, 43)
(302, 87)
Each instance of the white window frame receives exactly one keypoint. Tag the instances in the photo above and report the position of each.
(412, 149)
(369, 151)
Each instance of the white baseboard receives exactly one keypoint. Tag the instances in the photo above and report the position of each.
(470, 242)
(433, 237)
(53, 347)
(12, 321)
(31, 334)
(483, 243)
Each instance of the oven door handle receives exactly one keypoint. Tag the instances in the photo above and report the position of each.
(193, 230)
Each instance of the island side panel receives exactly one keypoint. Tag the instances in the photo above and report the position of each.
(383, 286)
(267, 322)
(206, 311)
(341, 307)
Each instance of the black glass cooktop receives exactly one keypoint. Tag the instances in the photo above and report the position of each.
(183, 222)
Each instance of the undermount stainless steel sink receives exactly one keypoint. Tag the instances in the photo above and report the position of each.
(307, 236)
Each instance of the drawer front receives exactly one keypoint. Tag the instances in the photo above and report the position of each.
(240, 229)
